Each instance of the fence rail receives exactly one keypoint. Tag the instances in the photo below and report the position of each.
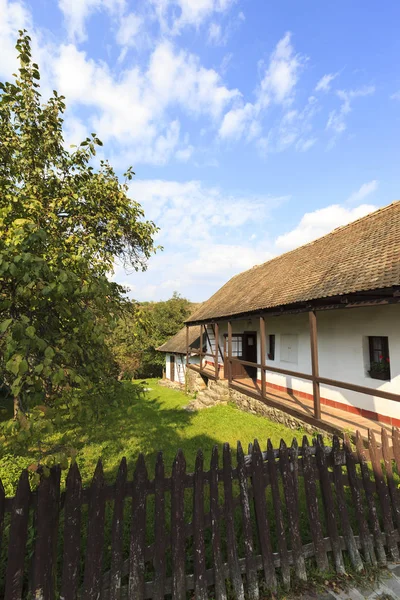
(264, 515)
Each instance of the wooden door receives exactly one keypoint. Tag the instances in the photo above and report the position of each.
(172, 367)
(237, 352)
(250, 352)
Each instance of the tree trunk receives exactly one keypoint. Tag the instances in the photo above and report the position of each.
(17, 407)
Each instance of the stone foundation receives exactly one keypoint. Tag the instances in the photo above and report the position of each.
(194, 382)
(175, 385)
(257, 407)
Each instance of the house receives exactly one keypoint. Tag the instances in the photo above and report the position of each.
(175, 350)
(320, 323)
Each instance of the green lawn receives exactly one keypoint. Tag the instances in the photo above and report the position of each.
(154, 422)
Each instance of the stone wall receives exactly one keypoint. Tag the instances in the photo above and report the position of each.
(278, 416)
(194, 382)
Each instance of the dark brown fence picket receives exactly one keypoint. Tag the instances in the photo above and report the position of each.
(95, 537)
(348, 534)
(292, 512)
(138, 531)
(393, 489)
(327, 497)
(251, 570)
(396, 447)
(373, 515)
(199, 550)
(234, 490)
(233, 558)
(117, 532)
(159, 530)
(279, 520)
(317, 535)
(260, 504)
(18, 539)
(2, 512)
(355, 487)
(219, 576)
(382, 490)
(47, 506)
(72, 534)
(178, 527)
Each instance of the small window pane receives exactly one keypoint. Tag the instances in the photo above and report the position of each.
(379, 357)
(271, 346)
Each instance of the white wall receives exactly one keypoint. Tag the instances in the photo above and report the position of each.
(342, 350)
(180, 359)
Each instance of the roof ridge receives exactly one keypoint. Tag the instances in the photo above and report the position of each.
(336, 230)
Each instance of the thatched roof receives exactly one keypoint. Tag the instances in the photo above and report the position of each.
(177, 344)
(361, 256)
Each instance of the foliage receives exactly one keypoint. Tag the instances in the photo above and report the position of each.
(141, 331)
(62, 226)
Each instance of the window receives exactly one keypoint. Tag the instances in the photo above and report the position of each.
(237, 345)
(379, 360)
(271, 346)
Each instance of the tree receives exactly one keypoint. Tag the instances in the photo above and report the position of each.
(137, 336)
(62, 225)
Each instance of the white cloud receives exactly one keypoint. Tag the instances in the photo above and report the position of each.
(13, 16)
(365, 190)
(138, 109)
(395, 96)
(76, 12)
(324, 84)
(174, 15)
(320, 222)
(337, 118)
(197, 223)
(282, 74)
(276, 87)
(295, 129)
(130, 27)
(237, 121)
(214, 33)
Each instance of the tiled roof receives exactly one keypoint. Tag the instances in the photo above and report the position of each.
(361, 256)
(177, 344)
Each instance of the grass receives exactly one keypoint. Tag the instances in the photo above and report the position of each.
(148, 423)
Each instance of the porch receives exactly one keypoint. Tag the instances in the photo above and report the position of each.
(253, 378)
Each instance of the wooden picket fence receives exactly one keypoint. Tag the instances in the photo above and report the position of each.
(234, 531)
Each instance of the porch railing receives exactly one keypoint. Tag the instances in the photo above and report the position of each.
(313, 377)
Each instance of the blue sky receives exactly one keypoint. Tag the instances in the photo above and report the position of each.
(253, 126)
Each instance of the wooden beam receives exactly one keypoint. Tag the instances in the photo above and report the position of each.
(187, 345)
(201, 346)
(216, 336)
(263, 356)
(314, 363)
(230, 351)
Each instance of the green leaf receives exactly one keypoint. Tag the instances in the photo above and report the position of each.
(30, 332)
(49, 352)
(23, 367)
(5, 325)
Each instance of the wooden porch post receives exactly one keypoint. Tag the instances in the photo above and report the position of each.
(201, 346)
(263, 356)
(187, 345)
(216, 336)
(314, 362)
(230, 351)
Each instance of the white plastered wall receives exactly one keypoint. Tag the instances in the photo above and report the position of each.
(180, 366)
